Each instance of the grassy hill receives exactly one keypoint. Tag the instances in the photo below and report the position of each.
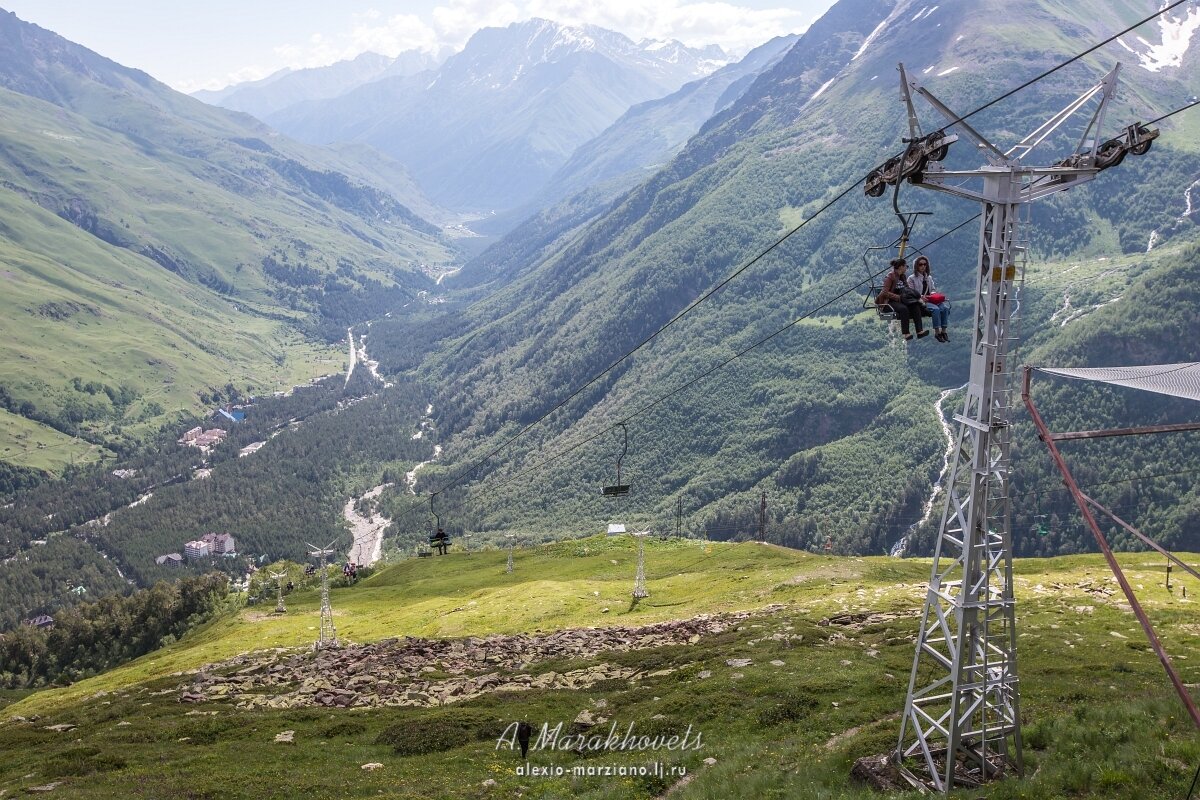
(165, 248)
(825, 643)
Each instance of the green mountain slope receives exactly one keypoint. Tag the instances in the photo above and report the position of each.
(159, 246)
(788, 666)
(833, 420)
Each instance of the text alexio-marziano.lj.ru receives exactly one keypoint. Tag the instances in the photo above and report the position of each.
(627, 741)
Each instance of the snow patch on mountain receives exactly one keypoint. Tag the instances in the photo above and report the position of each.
(821, 91)
(1177, 35)
(879, 29)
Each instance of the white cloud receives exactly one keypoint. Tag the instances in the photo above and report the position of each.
(735, 28)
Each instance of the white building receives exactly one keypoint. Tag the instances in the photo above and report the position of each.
(197, 549)
(219, 543)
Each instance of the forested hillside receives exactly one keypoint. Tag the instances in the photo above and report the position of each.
(322, 445)
(834, 419)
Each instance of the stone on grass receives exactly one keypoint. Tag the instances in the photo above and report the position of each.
(738, 662)
(372, 766)
(47, 787)
(285, 736)
(584, 719)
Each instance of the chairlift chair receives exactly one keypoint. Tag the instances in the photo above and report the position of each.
(438, 538)
(619, 489)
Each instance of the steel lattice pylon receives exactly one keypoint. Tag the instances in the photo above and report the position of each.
(971, 706)
(510, 538)
(328, 633)
(961, 720)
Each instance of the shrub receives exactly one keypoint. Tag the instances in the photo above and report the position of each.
(790, 708)
(82, 761)
(439, 731)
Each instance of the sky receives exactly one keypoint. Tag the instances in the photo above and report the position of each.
(209, 44)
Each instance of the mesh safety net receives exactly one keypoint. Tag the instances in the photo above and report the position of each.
(1177, 380)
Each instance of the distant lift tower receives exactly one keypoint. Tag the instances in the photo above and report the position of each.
(280, 608)
(639, 578)
(961, 720)
(328, 635)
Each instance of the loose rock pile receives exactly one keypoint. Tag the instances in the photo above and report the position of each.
(433, 672)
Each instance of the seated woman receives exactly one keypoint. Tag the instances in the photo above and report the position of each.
(906, 303)
(921, 282)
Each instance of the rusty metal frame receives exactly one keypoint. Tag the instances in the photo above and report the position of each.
(1085, 508)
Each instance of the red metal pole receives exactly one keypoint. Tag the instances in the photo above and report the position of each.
(1084, 509)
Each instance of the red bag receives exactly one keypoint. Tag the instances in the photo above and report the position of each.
(937, 297)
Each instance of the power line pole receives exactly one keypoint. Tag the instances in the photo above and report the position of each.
(679, 518)
(961, 722)
(328, 634)
(510, 537)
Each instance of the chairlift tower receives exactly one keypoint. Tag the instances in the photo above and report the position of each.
(961, 721)
(639, 579)
(328, 635)
(510, 537)
(280, 608)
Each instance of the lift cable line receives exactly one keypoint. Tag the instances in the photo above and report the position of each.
(1194, 102)
(852, 290)
(457, 479)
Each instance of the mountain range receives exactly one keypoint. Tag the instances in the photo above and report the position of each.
(829, 419)
(483, 131)
(290, 86)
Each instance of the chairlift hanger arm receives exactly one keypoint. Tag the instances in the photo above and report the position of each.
(914, 124)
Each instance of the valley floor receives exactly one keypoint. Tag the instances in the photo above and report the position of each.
(784, 667)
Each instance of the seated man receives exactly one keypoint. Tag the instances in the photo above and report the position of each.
(905, 302)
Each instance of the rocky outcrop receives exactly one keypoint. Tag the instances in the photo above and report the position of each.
(433, 672)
